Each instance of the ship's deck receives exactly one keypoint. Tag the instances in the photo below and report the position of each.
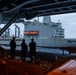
(68, 68)
(50, 57)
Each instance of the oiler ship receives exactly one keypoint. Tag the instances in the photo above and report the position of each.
(45, 34)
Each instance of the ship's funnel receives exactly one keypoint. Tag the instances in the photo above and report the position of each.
(46, 19)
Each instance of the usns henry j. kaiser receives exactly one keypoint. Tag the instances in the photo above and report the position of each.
(46, 34)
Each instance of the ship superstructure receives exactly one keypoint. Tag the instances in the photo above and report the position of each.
(47, 29)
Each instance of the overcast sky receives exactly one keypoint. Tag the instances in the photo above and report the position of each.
(68, 23)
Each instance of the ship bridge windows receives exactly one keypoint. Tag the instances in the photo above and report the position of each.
(54, 26)
(59, 30)
(46, 24)
(59, 37)
(58, 23)
(60, 34)
(71, 41)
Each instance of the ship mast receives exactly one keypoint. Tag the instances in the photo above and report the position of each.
(38, 18)
(16, 27)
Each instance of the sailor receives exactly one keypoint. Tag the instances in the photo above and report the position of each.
(12, 47)
(23, 50)
(32, 46)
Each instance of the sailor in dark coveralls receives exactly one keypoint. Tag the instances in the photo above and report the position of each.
(12, 47)
(23, 50)
(32, 46)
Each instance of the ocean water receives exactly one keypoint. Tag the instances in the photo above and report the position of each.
(41, 49)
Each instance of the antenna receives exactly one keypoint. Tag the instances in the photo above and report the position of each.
(58, 21)
(38, 18)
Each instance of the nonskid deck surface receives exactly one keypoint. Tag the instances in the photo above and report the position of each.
(49, 57)
(68, 68)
